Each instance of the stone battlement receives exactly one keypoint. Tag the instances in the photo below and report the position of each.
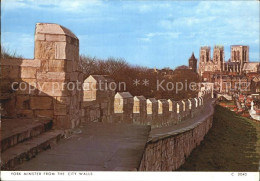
(136, 109)
(54, 85)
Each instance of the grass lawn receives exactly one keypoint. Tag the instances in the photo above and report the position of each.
(232, 144)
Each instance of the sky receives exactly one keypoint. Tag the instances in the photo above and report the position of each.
(148, 33)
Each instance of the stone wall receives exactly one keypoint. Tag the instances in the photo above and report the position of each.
(103, 105)
(167, 150)
(98, 102)
(17, 102)
(47, 78)
(55, 88)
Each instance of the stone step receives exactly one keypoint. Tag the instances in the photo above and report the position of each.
(28, 149)
(14, 131)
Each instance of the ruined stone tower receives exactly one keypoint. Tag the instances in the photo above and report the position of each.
(193, 63)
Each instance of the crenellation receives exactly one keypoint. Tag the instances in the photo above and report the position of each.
(139, 110)
(186, 110)
(180, 112)
(163, 112)
(152, 111)
(123, 107)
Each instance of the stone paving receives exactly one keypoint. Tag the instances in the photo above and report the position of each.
(95, 147)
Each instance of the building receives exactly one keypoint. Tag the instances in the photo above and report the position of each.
(193, 63)
(238, 63)
(207, 64)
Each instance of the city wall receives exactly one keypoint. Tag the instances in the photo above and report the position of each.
(167, 150)
(54, 85)
(101, 105)
(45, 87)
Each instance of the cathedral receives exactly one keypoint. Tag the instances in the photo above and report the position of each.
(238, 63)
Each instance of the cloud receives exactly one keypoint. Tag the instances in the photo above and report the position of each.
(64, 5)
(168, 34)
(120, 28)
(185, 21)
(146, 7)
(146, 39)
(149, 36)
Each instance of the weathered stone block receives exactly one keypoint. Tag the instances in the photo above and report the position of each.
(40, 36)
(30, 63)
(60, 50)
(21, 62)
(73, 76)
(57, 65)
(25, 113)
(10, 72)
(27, 86)
(55, 38)
(52, 89)
(28, 72)
(60, 109)
(41, 102)
(69, 65)
(44, 113)
(44, 50)
(23, 102)
(51, 76)
(71, 54)
(44, 65)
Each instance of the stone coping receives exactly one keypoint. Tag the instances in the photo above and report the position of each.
(165, 132)
(21, 62)
(52, 28)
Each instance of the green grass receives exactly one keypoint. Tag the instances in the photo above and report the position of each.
(232, 144)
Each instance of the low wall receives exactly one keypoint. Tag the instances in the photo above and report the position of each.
(168, 147)
(102, 105)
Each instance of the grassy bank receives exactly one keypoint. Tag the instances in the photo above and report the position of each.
(232, 144)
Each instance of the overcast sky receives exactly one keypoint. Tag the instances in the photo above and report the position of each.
(149, 33)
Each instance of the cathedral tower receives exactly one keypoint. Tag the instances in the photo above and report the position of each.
(205, 59)
(193, 63)
(240, 54)
(218, 58)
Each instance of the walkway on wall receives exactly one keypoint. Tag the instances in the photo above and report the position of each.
(96, 147)
(106, 146)
(159, 133)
